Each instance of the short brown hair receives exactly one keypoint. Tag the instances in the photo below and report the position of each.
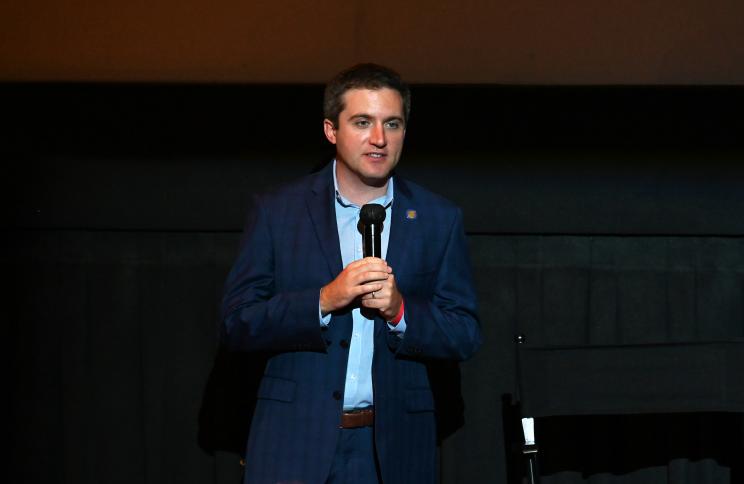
(363, 76)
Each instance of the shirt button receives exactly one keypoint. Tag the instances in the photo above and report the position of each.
(337, 395)
(344, 343)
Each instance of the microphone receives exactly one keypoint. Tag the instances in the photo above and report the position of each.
(370, 225)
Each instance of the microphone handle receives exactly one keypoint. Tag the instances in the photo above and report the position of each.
(372, 243)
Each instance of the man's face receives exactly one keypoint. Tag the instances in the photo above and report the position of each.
(369, 135)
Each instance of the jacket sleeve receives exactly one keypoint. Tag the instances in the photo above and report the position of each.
(255, 317)
(444, 325)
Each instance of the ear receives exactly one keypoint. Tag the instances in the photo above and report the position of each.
(330, 130)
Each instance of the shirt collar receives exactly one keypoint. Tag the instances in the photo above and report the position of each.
(385, 201)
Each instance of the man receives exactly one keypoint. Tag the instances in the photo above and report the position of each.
(345, 396)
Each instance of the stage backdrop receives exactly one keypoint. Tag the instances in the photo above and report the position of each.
(602, 215)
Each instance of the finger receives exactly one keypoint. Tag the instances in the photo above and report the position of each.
(370, 267)
(367, 261)
(383, 298)
(371, 276)
(373, 303)
(371, 295)
(383, 293)
(373, 262)
(367, 289)
(389, 284)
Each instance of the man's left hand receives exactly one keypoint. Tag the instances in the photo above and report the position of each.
(386, 300)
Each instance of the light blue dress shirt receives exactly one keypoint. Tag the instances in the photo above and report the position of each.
(358, 389)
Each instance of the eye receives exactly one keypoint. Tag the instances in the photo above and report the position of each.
(362, 123)
(393, 124)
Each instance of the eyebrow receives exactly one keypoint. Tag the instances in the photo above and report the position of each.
(367, 116)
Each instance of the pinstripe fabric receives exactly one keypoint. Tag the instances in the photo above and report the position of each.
(354, 461)
(289, 250)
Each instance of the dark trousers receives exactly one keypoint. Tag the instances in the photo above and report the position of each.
(355, 461)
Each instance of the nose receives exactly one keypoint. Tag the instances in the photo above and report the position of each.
(377, 135)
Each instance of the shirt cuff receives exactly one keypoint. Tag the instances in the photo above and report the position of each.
(324, 320)
(399, 328)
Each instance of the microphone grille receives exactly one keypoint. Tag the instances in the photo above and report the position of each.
(372, 213)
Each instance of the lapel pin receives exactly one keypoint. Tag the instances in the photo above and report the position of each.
(411, 214)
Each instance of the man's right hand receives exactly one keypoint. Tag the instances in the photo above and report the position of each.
(361, 277)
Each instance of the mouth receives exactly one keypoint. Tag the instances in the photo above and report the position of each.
(376, 155)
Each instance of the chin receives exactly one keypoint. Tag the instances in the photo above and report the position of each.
(381, 172)
(376, 180)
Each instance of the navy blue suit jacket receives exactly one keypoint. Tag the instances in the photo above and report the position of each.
(289, 250)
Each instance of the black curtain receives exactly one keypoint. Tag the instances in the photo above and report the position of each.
(594, 216)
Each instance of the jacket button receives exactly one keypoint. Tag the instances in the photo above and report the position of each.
(344, 343)
(337, 395)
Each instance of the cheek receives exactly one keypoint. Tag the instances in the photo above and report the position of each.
(350, 142)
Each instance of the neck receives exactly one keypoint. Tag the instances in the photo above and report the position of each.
(358, 191)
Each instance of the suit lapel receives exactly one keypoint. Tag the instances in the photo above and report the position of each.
(320, 203)
(401, 229)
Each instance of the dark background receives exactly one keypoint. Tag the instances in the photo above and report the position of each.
(604, 215)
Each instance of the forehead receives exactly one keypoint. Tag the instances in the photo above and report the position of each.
(383, 102)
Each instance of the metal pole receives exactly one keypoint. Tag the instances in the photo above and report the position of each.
(530, 450)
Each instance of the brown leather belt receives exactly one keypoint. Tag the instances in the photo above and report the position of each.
(353, 419)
